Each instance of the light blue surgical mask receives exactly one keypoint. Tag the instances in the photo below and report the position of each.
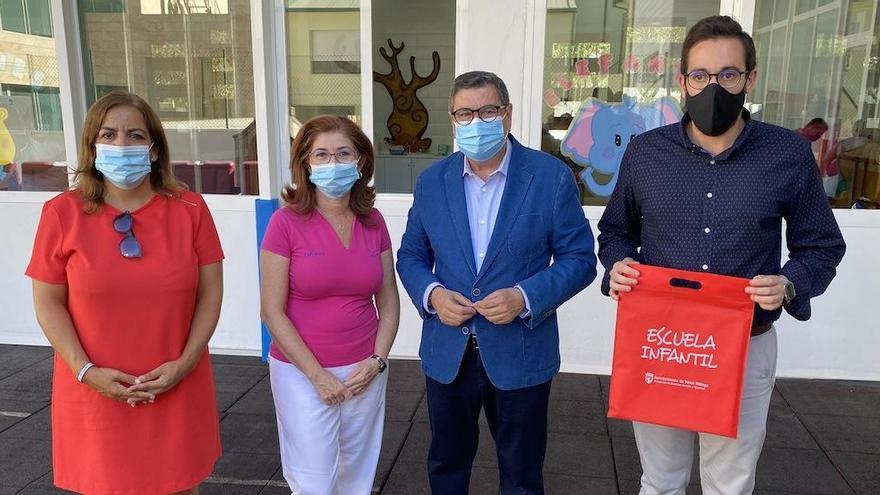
(335, 180)
(480, 140)
(124, 166)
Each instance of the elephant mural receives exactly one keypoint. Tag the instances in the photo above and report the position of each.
(598, 135)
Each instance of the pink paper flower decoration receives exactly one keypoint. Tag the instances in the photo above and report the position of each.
(656, 64)
(605, 61)
(632, 63)
(564, 82)
(582, 68)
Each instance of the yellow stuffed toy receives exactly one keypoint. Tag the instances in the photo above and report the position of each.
(7, 145)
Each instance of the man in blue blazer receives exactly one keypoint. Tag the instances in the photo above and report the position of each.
(476, 261)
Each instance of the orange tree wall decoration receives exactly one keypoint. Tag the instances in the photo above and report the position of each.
(409, 118)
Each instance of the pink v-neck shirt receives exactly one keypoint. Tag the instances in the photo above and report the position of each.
(331, 288)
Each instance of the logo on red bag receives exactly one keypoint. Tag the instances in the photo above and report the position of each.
(649, 378)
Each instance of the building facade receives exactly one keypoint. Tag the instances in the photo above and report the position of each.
(232, 81)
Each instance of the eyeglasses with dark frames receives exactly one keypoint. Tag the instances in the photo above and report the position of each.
(129, 247)
(727, 78)
(486, 113)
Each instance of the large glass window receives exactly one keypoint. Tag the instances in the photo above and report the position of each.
(819, 73)
(609, 74)
(102, 5)
(12, 16)
(26, 17)
(31, 137)
(413, 69)
(46, 104)
(39, 17)
(192, 61)
(323, 60)
(410, 99)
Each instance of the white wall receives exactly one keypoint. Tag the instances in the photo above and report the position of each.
(238, 331)
(840, 341)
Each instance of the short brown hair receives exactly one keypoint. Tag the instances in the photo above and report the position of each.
(300, 196)
(90, 182)
(713, 27)
(818, 121)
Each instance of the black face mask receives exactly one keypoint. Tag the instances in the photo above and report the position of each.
(714, 110)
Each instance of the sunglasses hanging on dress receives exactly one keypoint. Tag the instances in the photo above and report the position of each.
(129, 247)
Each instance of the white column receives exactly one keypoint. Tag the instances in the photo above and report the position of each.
(366, 29)
(270, 95)
(533, 85)
(505, 48)
(462, 40)
(741, 10)
(71, 78)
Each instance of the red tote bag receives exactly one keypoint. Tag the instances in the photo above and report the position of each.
(680, 350)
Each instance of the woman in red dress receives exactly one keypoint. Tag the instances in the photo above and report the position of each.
(127, 281)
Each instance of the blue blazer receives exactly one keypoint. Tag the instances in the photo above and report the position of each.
(540, 218)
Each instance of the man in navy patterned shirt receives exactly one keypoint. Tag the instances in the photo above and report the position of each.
(709, 194)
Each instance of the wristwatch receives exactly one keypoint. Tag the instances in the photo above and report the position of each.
(790, 293)
(383, 365)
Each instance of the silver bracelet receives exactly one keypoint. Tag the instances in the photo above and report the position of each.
(82, 371)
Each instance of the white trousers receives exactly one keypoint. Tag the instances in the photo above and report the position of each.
(727, 466)
(327, 450)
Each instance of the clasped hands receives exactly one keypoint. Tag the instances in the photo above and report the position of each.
(334, 391)
(135, 390)
(499, 307)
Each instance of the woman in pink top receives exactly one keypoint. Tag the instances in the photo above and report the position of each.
(329, 298)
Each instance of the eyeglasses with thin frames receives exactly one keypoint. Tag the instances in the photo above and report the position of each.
(129, 247)
(342, 155)
(728, 78)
